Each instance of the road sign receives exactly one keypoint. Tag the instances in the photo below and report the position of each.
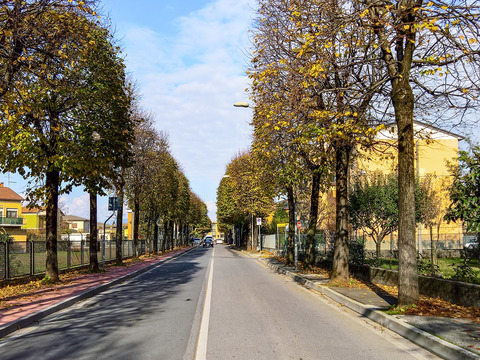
(259, 221)
(114, 203)
(299, 224)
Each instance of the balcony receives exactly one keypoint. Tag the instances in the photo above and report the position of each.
(11, 221)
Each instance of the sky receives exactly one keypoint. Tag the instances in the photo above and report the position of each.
(189, 59)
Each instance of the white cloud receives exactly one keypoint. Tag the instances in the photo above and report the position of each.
(78, 205)
(190, 81)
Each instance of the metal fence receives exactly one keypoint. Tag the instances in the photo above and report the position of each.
(448, 245)
(24, 258)
(279, 243)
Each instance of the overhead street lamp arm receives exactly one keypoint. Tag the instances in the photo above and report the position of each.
(241, 104)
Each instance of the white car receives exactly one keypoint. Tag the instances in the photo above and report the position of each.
(471, 245)
(219, 241)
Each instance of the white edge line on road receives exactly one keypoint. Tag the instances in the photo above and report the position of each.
(201, 351)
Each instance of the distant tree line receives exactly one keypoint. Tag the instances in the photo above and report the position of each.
(327, 76)
(70, 117)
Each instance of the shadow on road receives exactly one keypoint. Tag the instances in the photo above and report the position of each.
(98, 327)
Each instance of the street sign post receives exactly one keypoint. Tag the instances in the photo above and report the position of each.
(259, 223)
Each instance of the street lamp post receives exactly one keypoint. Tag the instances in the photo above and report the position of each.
(243, 104)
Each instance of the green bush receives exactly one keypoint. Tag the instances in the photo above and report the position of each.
(464, 272)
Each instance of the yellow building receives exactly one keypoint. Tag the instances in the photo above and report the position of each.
(34, 219)
(129, 224)
(434, 148)
(11, 220)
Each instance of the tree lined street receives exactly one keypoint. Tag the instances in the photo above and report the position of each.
(326, 78)
(254, 314)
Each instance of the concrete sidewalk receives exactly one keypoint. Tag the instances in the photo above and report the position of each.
(36, 305)
(445, 337)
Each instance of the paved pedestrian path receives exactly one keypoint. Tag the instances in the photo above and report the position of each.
(33, 306)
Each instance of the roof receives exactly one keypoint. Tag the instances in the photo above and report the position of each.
(74, 218)
(107, 226)
(34, 210)
(429, 130)
(9, 195)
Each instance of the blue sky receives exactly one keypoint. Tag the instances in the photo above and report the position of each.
(189, 59)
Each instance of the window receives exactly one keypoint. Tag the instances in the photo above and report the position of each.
(12, 213)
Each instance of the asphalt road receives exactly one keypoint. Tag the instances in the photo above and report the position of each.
(148, 317)
(208, 304)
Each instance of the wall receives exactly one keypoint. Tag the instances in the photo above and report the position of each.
(453, 291)
(269, 242)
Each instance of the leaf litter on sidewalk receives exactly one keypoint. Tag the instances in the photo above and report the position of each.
(426, 306)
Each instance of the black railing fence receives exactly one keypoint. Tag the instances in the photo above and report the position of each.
(24, 258)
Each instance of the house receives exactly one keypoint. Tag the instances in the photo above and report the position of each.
(76, 224)
(434, 149)
(110, 231)
(34, 219)
(11, 220)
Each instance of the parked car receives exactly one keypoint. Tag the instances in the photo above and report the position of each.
(219, 241)
(473, 245)
(197, 241)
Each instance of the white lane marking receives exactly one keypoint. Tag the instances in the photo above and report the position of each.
(201, 351)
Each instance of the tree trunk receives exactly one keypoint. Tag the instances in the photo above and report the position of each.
(155, 238)
(403, 102)
(164, 237)
(255, 235)
(93, 233)
(434, 252)
(250, 245)
(291, 226)
(51, 220)
(136, 220)
(168, 236)
(119, 231)
(433, 249)
(309, 260)
(378, 248)
(171, 246)
(340, 258)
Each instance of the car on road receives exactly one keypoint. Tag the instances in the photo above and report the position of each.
(219, 241)
(197, 241)
(208, 242)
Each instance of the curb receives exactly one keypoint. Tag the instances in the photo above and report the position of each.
(40, 314)
(432, 343)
